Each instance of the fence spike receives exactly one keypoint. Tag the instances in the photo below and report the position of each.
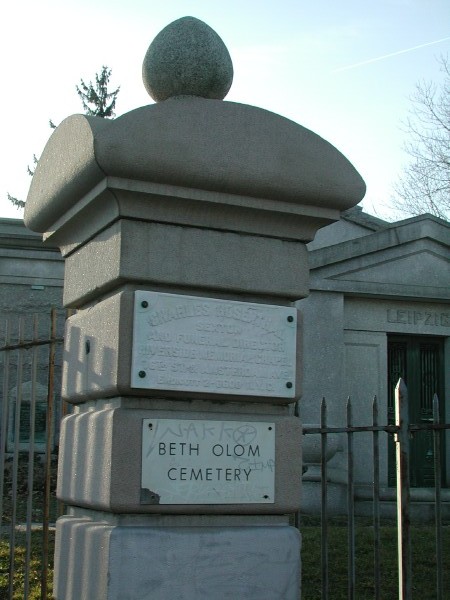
(350, 505)
(323, 410)
(324, 500)
(376, 501)
(436, 417)
(437, 497)
(403, 495)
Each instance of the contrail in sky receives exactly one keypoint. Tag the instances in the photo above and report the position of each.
(372, 60)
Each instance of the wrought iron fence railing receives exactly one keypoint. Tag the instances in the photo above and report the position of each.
(30, 412)
(401, 431)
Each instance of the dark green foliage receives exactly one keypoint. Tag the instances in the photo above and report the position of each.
(37, 536)
(23, 492)
(96, 99)
(30, 171)
(423, 557)
(19, 566)
(15, 201)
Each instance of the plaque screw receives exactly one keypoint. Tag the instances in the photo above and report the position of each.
(144, 304)
(265, 496)
(150, 425)
(289, 384)
(270, 428)
(142, 374)
(290, 318)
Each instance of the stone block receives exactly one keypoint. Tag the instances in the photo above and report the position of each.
(158, 255)
(195, 143)
(81, 559)
(158, 563)
(120, 198)
(97, 350)
(98, 356)
(100, 461)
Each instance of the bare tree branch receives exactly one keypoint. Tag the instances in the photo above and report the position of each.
(425, 183)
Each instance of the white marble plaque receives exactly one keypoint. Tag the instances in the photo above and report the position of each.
(196, 344)
(207, 462)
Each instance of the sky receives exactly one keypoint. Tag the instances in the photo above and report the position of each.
(346, 70)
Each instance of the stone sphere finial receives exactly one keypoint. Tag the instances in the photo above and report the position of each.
(187, 58)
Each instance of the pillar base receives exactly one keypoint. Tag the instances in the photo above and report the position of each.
(97, 560)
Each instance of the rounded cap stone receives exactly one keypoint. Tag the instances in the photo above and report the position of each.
(187, 58)
(192, 143)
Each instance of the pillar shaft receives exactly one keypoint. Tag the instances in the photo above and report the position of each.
(184, 227)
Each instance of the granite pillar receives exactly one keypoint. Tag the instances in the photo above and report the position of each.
(183, 225)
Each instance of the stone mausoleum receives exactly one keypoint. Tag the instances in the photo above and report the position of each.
(379, 308)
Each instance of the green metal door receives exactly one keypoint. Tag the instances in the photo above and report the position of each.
(420, 362)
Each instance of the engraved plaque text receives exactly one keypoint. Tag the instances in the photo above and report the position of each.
(196, 344)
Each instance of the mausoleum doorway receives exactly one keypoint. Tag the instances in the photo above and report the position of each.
(419, 360)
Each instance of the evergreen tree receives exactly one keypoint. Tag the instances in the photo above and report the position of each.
(97, 101)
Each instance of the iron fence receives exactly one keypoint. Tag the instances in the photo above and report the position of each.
(31, 409)
(401, 431)
(30, 413)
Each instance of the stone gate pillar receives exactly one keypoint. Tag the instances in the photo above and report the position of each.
(183, 225)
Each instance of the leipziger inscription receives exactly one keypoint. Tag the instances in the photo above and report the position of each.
(418, 317)
(207, 462)
(196, 344)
